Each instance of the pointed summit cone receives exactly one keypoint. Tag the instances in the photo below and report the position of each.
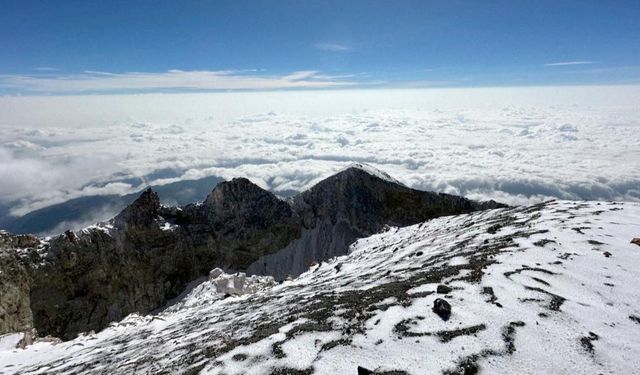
(141, 213)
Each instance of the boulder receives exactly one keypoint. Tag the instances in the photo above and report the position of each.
(215, 273)
(364, 371)
(442, 308)
(28, 338)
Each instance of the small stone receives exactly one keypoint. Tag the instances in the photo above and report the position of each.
(215, 273)
(606, 254)
(443, 289)
(442, 308)
(636, 241)
(26, 340)
(364, 371)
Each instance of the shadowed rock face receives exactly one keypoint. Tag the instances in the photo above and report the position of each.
(148, 253)
(369, 202)
(143, 212)
(350, 205)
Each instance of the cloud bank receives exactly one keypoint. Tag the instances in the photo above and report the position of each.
(91, 81)
(513, 145)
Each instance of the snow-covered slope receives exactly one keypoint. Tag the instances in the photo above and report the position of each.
(549, 288)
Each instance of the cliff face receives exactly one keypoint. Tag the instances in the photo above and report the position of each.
(15, 281)
(148, 253)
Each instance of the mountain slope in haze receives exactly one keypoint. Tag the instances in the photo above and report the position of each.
(73, 213)
(547, 288)
(147, 254)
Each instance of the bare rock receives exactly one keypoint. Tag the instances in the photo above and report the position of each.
(443, 289)
(442, 308)
(28, 337)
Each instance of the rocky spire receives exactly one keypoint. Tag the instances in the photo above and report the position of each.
(141, 213)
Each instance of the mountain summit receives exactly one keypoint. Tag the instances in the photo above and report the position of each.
(148, 254)
(540, 289)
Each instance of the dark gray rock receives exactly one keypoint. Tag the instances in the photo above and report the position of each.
(443, 289)
(350, 205)
(143, 212)
(442, 308)
(15, 281)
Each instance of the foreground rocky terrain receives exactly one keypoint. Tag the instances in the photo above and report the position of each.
(147, 255)
(548, 288)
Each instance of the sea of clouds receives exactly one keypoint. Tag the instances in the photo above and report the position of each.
(515, 145)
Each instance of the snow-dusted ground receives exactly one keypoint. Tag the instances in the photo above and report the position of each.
(550, 288)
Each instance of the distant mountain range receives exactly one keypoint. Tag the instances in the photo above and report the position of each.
(80, 212)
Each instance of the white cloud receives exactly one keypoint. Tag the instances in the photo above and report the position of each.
(301, 75)
(332, 47)
(565, 63)
(517, 145)
(91, 81)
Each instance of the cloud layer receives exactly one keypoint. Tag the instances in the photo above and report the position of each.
(333, 47)
(514, 145)
(568, 63)
(90, 81)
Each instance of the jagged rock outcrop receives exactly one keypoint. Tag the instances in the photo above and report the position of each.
(352, 204)
(148, 253)
(367, 202)
(143, 212)
(242, 219)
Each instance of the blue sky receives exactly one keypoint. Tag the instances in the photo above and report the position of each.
(66, 47)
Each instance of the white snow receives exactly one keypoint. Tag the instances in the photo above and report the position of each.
(104, 227)
(9, 341)
(167, 226)
(374, 172)
(373, 307)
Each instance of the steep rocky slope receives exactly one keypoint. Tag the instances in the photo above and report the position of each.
(352, 204)
(147, 254)
(548, 288)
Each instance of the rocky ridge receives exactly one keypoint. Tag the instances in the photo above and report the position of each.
(145, 256)
(539, 289)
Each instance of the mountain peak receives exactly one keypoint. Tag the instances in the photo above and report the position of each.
(141, 213)
(238, 189)
(373, 171)
(240, 203)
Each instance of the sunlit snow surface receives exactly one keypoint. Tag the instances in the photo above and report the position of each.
(563, 299)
